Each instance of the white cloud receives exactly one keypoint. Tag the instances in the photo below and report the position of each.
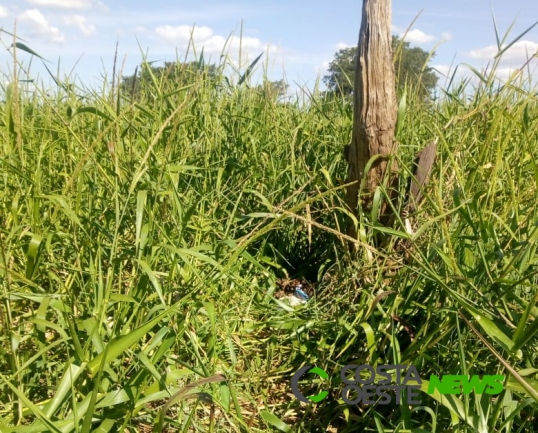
(447, 36)
(3, 12)
(443, 70)
(129, 31)
(80, 22)
(203, 36)
(103, 7)
(454, 74)
(64, 4)
(342, 45)
(40, 26)
(518, 52)
(417, 36)
(182, 34)
(484, 53)
(505, 72)
(322, 69)
(512, 59)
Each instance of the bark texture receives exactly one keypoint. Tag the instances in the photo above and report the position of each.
(375, 106)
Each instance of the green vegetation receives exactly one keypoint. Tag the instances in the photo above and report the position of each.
(411, 66)
(182, 74)
(141, 243)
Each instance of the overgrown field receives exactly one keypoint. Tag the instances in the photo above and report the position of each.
(143, 240)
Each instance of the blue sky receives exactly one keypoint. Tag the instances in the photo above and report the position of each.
(301, 37)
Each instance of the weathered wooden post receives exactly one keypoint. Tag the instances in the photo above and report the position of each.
(375, 107)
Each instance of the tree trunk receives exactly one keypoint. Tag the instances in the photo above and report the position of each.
(375, 107)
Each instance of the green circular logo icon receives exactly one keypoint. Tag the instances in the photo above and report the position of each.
(308, 369)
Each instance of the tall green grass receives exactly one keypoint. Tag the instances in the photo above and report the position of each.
(141, 241)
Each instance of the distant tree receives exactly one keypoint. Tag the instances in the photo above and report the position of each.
(274, 89)
(171, 74)
(341, 75)
(408, 65)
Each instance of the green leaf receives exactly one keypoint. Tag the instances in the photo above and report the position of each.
(453, 404)
(120, 344)
(92, 110)
(274, 421)
(26, 48)
(66, 208)
(402, 107)
(141, 198)
(30, 405)
(249, 70)
(33, 254)
(154, 281)
(67, 384)
(524, 334)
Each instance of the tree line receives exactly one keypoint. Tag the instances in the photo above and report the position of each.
(411, 67)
